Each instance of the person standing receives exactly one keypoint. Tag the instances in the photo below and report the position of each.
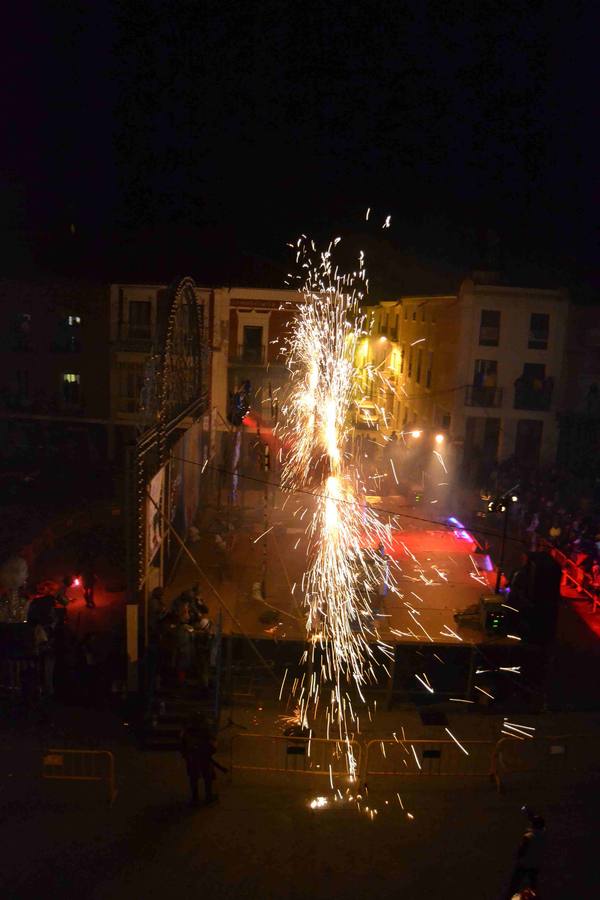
(198, 749)
(62, 599)
(530, 855)
(89, 581)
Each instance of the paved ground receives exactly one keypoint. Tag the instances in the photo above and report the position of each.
(263, 840)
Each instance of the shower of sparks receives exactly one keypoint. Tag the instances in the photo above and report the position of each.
(345, 558)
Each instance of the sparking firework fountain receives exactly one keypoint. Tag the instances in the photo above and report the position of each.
(344, 559)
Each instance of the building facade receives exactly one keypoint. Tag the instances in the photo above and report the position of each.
(245, 328)
(54, 370)
(487, 366)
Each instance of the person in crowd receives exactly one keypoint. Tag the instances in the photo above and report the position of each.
(157, 611)
(530, 854)
(44, 650)
(62, 598)
(554, 533)
(89, 581)
(198, 749)
(184, 645)
(202, 642)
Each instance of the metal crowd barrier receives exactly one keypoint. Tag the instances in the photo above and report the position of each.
(579, 580)
(554, 755)
(81, 765)
(292, 755)
(424, 758)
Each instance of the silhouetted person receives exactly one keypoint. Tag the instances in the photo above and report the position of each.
(198, 749)
(530, 854)
(89, 582)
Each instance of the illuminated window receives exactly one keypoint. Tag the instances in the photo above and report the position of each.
(71, 383)
(66, 338)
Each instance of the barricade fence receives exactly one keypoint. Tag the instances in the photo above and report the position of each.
(554, 755)
(422, 758)
(294, 755)
(379, 761)
(81, 765)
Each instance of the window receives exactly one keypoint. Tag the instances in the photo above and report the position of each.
(419, 363)
(71, 383)
(423, 314)
(130, 386)
(485, 373)
(252, 348)
(20, 332)
(140, 319)
(539, 327)
(402, 358)
(405, 312)
(414, 315)
(405, 417)
(410, 361)
(67, 337)
(489, 328)
(429, 369)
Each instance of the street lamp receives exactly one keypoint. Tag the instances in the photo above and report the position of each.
(501, 504)
(439, 438)
(416, 433)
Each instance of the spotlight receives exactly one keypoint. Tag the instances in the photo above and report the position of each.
(416, 433)
(514, 498)
(439, 438)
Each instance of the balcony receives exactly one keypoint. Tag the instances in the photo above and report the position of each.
(247, 355)
(483, 396)
(534, 396)
(133, 340)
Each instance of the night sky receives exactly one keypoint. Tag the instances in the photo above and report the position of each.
(147, 140)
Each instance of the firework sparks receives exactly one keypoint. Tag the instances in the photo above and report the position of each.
(345, 558)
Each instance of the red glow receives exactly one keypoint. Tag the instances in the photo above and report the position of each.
(76, 582)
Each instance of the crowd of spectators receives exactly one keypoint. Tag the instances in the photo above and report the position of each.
(550, 513)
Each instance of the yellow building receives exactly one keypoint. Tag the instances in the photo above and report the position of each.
(484, 365)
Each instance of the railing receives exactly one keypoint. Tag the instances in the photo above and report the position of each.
(251, 356)
(483, 396)
(528, 397)
(81, 765)
(573, 574)
(292, 755)
(544, 756)
(423, 758)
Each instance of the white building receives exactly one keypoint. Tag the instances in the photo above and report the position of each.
(486, 365)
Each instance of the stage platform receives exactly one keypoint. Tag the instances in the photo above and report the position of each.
(437, 568)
